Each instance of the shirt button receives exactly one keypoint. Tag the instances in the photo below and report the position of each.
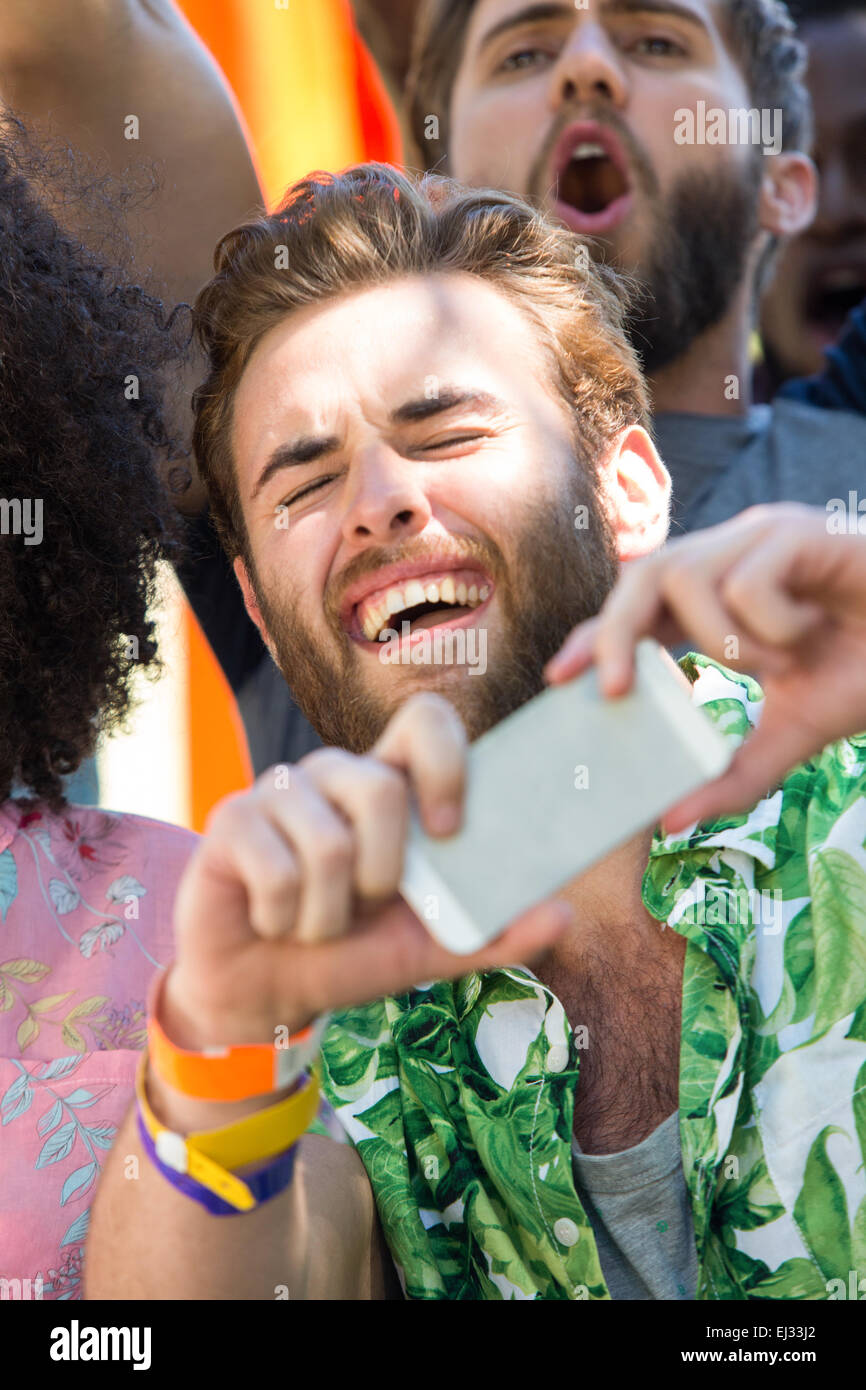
(565, 1231)
(557, 1058)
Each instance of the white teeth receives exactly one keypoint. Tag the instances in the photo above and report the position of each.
(588, 151)
(413, 594)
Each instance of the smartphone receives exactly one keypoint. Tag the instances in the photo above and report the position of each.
(554, 788)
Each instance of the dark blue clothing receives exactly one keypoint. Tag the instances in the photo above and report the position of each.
(842, 384)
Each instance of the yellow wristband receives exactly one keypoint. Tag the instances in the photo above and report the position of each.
(209, 1155)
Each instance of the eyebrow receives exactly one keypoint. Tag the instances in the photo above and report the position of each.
(447, 398)
(305, 449)
(308, 448)
(530, 14)
(538, 13)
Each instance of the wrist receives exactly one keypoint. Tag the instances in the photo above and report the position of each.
(188, 1115)
(195, 1025)
(225, 1063)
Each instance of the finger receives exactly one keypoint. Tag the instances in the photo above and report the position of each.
(756, 591)
(575, 655)
(244, 875)
(395, 952)
(681, 591)
(674, 595)
(632, 610)
(324, 845)
(426, 739)
(374, 799)
(756, 768)
(640, 604)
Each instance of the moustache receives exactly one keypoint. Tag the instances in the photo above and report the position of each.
(639, 164)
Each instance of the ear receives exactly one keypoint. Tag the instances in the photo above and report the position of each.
(638, 490)
(251, 603)
(789, 194)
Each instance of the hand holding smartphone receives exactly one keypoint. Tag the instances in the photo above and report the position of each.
(552, 789)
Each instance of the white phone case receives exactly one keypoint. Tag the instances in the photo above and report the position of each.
(565, 779)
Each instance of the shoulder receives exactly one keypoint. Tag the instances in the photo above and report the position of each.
(173, 839)
(815, 421)
(79, 846)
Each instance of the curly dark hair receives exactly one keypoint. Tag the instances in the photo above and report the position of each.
(371, 223)
(85, 355)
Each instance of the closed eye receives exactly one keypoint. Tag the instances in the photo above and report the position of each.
(454, 441)
(305, 491)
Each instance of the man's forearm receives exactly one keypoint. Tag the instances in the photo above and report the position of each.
(318, 1239)
(129, 85)
(83, 69)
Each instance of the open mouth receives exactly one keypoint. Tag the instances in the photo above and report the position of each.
(832, 297)
(590, 181)
(443, 599)
(593, 189)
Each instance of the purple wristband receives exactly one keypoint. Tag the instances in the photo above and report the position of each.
(265, 1181)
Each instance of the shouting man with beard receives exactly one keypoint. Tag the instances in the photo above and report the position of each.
(414, 394)
(673, 137)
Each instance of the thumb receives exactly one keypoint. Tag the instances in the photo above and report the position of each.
(755, 772)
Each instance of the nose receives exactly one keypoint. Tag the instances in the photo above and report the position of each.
(588, 69)
(385, 499)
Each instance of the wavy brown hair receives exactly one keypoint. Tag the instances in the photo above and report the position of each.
(84, 356)
(371, 224)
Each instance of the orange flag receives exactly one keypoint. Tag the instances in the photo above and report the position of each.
(311, 98)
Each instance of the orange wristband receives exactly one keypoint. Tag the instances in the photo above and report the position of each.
(230, 1073)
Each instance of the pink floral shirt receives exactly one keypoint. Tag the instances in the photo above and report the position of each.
(86, 902)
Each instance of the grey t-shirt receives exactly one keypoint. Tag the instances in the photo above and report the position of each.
(784, 452)
(638, 1206)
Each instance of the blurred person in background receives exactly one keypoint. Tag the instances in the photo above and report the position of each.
(579, 109)
(820, 275)
(85, 894)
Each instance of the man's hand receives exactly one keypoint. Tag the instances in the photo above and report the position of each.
(288, 906)
(769, 592)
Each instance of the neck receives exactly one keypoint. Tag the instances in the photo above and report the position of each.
(611, 926)
(618, 976)
(714, 375)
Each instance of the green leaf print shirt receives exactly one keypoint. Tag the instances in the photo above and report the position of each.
(459, 1096)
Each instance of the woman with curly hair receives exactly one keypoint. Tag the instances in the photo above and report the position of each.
(85, 896)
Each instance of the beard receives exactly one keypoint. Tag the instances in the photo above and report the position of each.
(700, 235)
(701, 239)
(558, 577)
